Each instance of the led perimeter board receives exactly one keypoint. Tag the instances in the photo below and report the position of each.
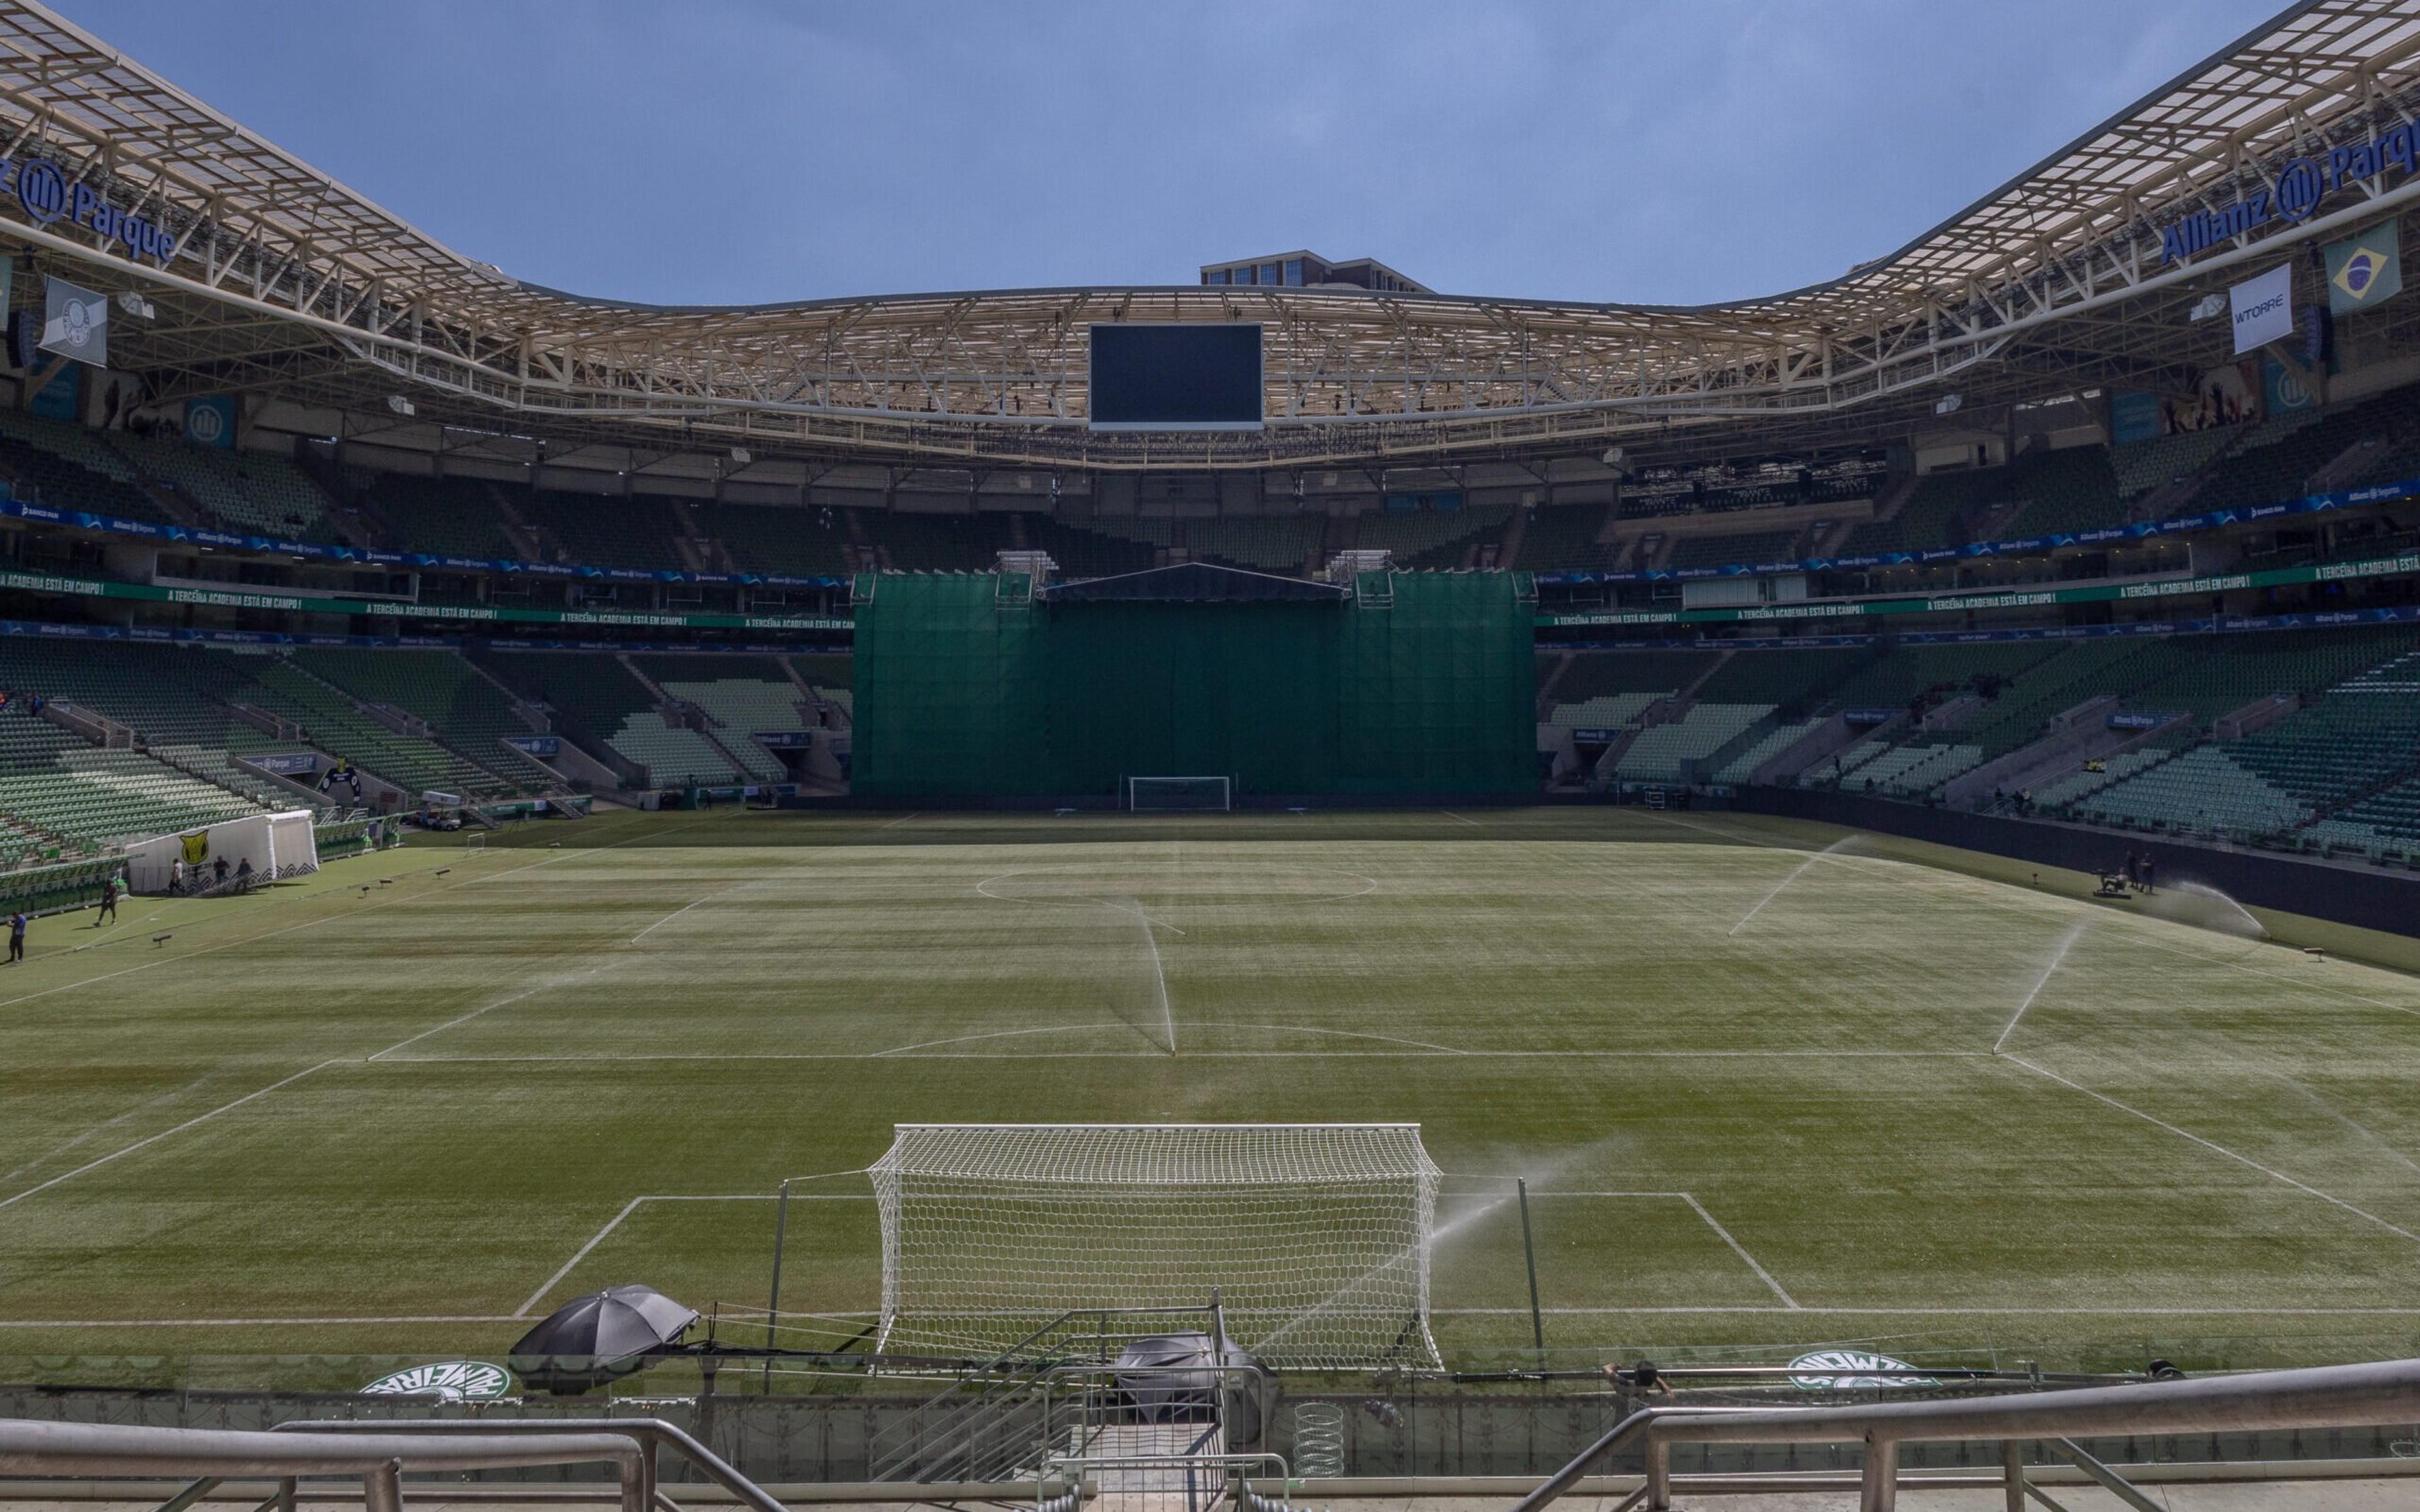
(1175, 377)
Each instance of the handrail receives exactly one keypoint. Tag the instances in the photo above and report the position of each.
(118, 1450)
(651, 1432)
(2324, 1397)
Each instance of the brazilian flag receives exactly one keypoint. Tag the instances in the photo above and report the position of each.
(2366, 271)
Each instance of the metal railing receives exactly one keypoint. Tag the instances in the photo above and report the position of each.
(2328, 1396)
(647, 1436)
(97, 1450)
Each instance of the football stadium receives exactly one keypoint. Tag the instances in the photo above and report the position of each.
(1278, 888)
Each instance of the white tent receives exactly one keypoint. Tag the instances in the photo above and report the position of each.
(278, 845)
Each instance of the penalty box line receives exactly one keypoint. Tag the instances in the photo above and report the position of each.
(1788, 1302)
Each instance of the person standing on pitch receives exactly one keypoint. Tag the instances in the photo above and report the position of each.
(16, 936)
(108, 903)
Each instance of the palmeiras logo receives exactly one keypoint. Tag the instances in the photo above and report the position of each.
(1844, 1370)
(43, 189)
(456, 1381)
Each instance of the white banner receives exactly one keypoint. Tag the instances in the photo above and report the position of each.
(2263, 308)
(75, 322)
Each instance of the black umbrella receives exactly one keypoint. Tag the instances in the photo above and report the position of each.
(1173, 1378)
(592, 1339)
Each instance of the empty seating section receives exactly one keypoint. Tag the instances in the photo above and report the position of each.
(1728, 550)
(1259, 543)
(2386, 822)
(253, 494)
(1431, 539)
(597, 699)
(937, 543)
(742, 695)
(2204, 789)
(469, 713)
(1632, 672)
(442, 517)
(767, 538)
(1605, 711)
(1895, 678)
(1742, 766)
(1788, 679)
(2062, 491)
(1565, 537)
(1932, 517)
(2064, 791)
(68, 467)
(1082, 552)
(1663, 753)
(2143, 466)
(331, 721)
(52, 779)
(2026, 702)
(1904, 771)
(2208, 678)
(833, 678)
(600, 532)
(2275, 458)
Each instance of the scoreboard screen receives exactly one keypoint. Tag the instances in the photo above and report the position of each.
(1175, 377)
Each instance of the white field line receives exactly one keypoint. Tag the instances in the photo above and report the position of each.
(349, 913)
(902, 818)
(1341, 1034)
(1948, 1312)
(630, 1207)
(2218, 1148)
(204, 1118)
(1788, 1303)
(904, 1049)
(153, 1139)
(1441, 1053)
(2349, 1121)
(507, 1000)
(1741, 1250)
(105, 1126)
(245, 1322)
(1472, 823)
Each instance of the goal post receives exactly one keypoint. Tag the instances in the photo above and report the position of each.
(1179, 795)
(1314, 1237)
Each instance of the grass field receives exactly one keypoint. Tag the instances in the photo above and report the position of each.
(406, 1118)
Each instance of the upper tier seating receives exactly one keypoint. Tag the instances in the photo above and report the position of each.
(1730, 550)
(249, 492)
(2140, 467)
(599, 532)
(1083, 552)
(1564, 537)
(1257, 543)
(778, 539)
(2063, 491)
(69, 467)
(1431, 539)
(442, 517)
(2275, 458)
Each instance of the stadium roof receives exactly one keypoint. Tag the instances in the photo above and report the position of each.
(284, 281)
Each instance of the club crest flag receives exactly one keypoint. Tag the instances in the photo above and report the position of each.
(2263, 308)
(2366, 270)
(196, 847)
(75, 322)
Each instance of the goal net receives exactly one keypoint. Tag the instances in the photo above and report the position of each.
(1315, 1236)
(1167, 794)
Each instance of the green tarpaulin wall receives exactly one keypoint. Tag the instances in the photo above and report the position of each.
(964, 687)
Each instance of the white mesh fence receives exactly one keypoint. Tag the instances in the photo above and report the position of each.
(1315, 1236)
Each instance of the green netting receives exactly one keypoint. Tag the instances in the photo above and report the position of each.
(1421, 685)
(1437, 693)
(1238, 690)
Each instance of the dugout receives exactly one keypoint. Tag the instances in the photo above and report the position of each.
(1407, 684)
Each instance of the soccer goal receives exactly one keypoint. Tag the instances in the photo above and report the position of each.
(1315, 1237)
(1179, 795)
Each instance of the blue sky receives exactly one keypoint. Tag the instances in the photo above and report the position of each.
(699, 152)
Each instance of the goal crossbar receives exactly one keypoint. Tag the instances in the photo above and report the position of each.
(1315, 1237)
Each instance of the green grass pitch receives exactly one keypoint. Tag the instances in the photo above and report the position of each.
(407, 1120)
